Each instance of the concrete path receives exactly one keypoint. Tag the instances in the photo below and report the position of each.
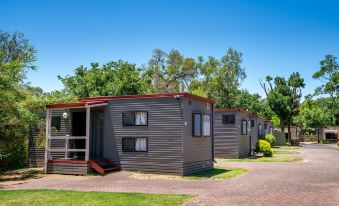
(315, 181)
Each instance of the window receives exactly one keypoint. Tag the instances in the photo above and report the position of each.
(271, 130)
(228, 119)
(56, 123)
(252, 123)
(201, 125)
(135, 118)
(260, 129)
(134, 144)
(197, 124)
(265, 126)
(207, 125)
(244, 127)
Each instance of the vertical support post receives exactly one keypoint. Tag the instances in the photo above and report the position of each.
(88, 116)
(48, 121)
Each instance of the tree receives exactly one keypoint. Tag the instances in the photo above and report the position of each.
(329, 76)
(312, 115)
(253, 103)
(17, 56)
(220, 79)
(284, 98)
(111, 79)
(171, 72)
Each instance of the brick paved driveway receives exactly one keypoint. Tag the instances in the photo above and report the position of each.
(312, 182)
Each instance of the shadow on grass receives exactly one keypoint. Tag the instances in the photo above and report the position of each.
(21, 174)
(218, 173)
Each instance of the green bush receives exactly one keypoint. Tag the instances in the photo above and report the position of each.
(264, 147)
(338, 143)
(270, 139)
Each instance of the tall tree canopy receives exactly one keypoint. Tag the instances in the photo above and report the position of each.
(329, 76)
(284, 97)
(111, 79)
(220, 79)
(171, 72)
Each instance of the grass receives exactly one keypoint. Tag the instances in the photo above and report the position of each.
(284, 152)
(21, 174)
(267, 159)
(217, 173)
(287, 147)
(64, 197)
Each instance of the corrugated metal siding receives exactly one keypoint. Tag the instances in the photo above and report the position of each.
(226, 137)
(66, 168)
(254, 132)
(164, 133)
(36, 154)
(243, 140)
(228, 141)
(197, 151)
(65, 126)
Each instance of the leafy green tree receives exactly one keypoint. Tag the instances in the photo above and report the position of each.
(111, 79)
(220, 79)
(17, 56)
(171, 72)
(313, 115)
(284, 98)
(253, 103)
(329, 76)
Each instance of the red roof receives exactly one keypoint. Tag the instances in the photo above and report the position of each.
(103, 99)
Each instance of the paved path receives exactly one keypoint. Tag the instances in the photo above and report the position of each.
(312, 182)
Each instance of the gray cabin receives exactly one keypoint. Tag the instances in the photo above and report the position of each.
(156, 133)
(231, 133)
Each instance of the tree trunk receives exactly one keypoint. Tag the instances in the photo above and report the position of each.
(289, 132)
(318, 130)
(282, 125)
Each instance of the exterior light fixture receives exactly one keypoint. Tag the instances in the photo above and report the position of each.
(65, 115)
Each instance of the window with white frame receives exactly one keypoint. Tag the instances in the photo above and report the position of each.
(134, 144)
(201, 125)
(244, 127)
(197, 124)
(207, 125)
(135, 118)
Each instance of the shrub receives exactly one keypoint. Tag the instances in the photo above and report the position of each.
(264, 147)
(338, 143)
(270, 139)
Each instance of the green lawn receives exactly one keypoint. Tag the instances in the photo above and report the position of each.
(63, 197)
(284, 152)
(218, 173)
(287, 147)
(267, 159)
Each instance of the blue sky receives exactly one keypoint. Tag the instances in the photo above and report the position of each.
(275, 38)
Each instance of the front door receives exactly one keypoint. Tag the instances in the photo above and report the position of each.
(79, 123)
(97, 132)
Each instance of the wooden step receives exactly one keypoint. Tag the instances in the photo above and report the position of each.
(103, 165)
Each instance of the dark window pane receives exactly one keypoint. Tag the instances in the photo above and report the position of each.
(265, 125)
(56, 122)
(252, 123)
(128, 144)
(128, 119)
(228, 119)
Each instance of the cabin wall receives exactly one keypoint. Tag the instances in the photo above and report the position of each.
(164, 133)
(197, 151)
(244, 139)
(226, 136)
(254, 132)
